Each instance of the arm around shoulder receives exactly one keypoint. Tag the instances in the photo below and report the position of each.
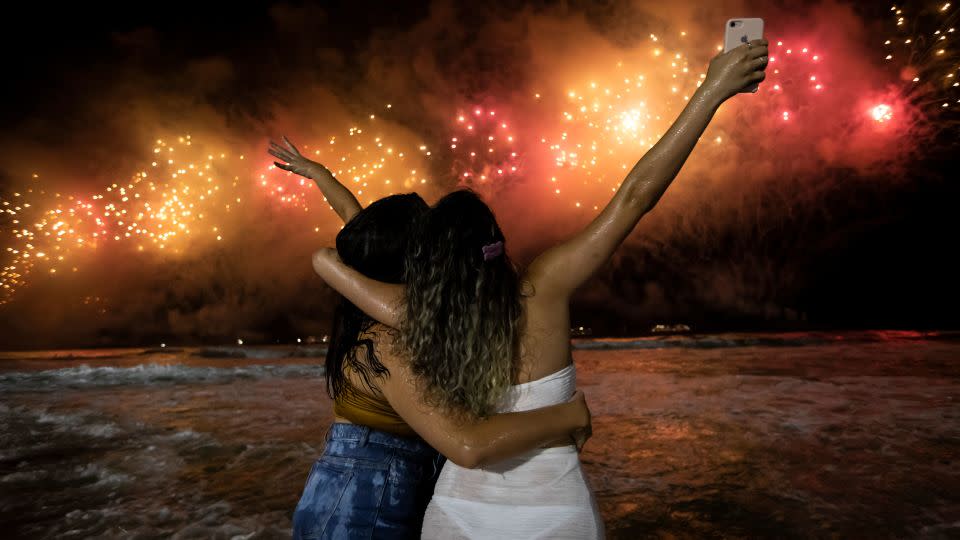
(379, 300)
(475, 442)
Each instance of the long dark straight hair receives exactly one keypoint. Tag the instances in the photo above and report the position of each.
(374, 243)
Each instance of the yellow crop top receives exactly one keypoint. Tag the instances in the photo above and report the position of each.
(361, 408)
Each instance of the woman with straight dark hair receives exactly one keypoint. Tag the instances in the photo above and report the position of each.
(483, 338)
(376, 474)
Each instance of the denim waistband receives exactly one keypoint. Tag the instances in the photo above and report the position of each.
(363, 436)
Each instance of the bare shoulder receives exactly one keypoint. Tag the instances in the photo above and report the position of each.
(546, 339)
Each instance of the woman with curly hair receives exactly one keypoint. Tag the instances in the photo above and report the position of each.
(482, 338)
(380, 462)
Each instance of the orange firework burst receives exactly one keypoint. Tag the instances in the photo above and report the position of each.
(608, 121)
(181, 197)
(182, 194)
(365, 158)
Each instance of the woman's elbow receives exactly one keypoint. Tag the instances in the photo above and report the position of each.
(468, 458)
(321, 260)
(638, 199)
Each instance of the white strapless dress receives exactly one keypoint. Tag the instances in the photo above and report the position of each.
(543, 494)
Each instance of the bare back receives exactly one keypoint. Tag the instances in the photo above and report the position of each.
(545, 335)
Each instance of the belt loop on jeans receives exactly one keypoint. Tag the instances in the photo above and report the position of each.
(364, 435)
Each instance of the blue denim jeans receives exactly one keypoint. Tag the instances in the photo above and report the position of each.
(367, 484)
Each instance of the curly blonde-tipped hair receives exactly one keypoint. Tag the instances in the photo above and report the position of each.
(463, 310)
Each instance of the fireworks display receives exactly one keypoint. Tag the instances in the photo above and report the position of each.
(364, 158)
(922, 46)
(795, 78)
(606, 123)
(572, 136)
(180, 196)
(484, 146)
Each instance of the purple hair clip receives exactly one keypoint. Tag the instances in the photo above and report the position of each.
(492, 251)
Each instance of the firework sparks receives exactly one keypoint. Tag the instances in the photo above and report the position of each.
(483, 143)
(922, 46)
(364, 158)
(183, 196)
(183, 193)
(796, 76)
(606, 122)
(581, 138)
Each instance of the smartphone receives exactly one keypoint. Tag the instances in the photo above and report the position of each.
(740, 31)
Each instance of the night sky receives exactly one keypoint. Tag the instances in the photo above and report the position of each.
(798, 210)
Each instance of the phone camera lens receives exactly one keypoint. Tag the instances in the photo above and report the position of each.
(732, 24)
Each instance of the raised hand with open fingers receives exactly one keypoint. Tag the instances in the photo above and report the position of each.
(343, 202)
(290, 159)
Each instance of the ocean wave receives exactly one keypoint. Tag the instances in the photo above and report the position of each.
(693, 343)
(84, 376)
(76, 354)
(720, 341)
(224, 351)
(79, 423)
(91, 475)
